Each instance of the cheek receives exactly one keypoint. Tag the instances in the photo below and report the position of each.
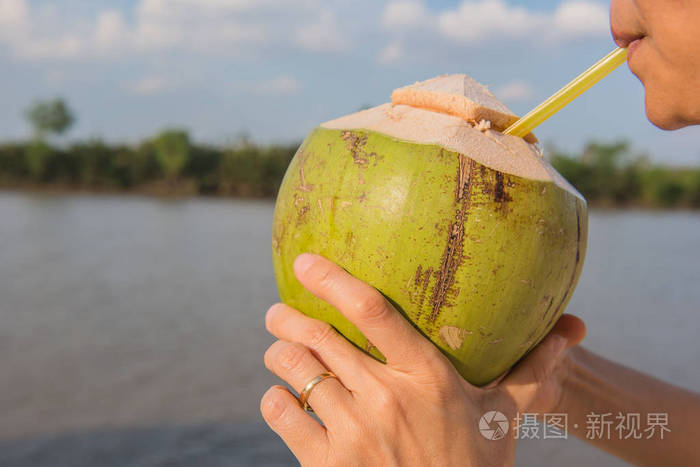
(662, 99)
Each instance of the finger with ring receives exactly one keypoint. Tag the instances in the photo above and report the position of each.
(304, 394)
(295, 364)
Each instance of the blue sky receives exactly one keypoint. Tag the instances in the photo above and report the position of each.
(276, 68)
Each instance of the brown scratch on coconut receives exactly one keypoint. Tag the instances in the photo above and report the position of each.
(549, 301)
(356, 145)
(278, 236)
(349, 239)
(463, 179)
(452, 258)
(419, 275)
(303, 186)
(277, 239)
(426, 282)
(454, 336)
(421, 281)
(302, 216)
(494, 184)
(500, 195)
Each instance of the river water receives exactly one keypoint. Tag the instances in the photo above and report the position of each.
(131, 329)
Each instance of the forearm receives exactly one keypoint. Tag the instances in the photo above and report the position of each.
(595, 386)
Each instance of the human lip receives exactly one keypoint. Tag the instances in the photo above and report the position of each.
(629, 41)
(633, 46)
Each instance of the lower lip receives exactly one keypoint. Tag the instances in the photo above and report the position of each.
(634, 45)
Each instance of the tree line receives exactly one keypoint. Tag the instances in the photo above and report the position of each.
(167, 164)
(171, 163)
(612, 175)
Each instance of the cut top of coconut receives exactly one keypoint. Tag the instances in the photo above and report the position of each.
(471, 128)
(460, 96)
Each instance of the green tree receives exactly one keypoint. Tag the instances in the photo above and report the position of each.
(50, 117)
(46, 117)
(37, 156)
(693, 188)
(172, 149)
(662, 187)
(604, 173)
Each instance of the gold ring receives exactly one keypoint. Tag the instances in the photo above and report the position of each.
(304, 394)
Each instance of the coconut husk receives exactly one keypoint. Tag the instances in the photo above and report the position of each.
(461, 96)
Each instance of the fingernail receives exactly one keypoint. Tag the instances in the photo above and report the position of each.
(271, 406)
(560, 343)
(272, 311)
(303, 262)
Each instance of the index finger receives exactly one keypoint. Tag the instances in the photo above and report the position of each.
(395, 337)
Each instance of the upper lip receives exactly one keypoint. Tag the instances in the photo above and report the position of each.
(625, 38)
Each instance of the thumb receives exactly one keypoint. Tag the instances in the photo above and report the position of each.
(530, 383)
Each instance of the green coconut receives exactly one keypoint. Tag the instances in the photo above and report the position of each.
(468, 232)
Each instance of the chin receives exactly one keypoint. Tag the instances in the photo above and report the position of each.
(663, 118)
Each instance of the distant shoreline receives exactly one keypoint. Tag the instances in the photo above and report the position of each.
(145, 192)
(170, 165)
(184, 195)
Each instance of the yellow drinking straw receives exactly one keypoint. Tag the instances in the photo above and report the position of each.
(568, 93)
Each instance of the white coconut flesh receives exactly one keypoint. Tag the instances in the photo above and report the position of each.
(460, 115)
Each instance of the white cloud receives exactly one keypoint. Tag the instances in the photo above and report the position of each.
(212, 25)
(514, 91)
(12, 12)
(150, 85)
(13, 20)
(281, 85)
(392, 53)
(324, 35)
(231, 28)
(405, 13)
(30, 33)
(581, 18)
(484, 20)
(67, 46)
(235, 6)
(111, 29)
(479, 21)
(225, 27)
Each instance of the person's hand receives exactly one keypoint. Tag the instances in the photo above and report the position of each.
(415, 409)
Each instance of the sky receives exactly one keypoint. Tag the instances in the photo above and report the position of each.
(274, 69)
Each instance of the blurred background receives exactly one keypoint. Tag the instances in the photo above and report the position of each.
(142, 143)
